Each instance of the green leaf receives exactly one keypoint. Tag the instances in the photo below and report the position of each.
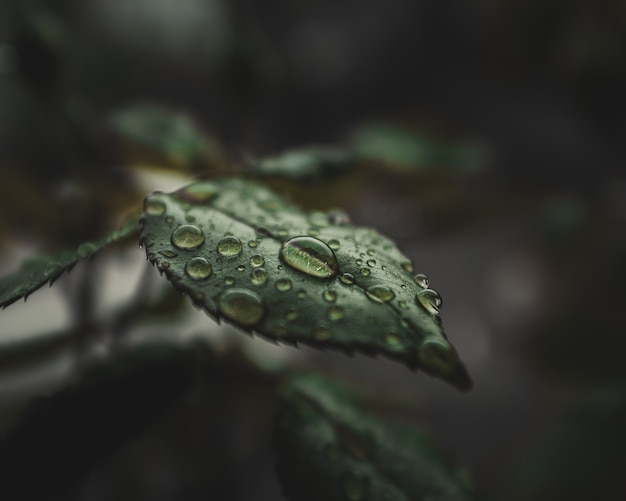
(164, 133)
(245, 255)
(329, 448)
(40, 270)
(307, 164)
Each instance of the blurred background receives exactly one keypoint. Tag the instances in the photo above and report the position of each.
(490, 144)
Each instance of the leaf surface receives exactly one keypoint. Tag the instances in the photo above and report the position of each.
(245, 255)
(329, 448)
(40, 270)
(307, 164)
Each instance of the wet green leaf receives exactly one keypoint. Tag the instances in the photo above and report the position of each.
(40, 270)
(307, 164)
(245, 255)
(329, 448)
(164, 134)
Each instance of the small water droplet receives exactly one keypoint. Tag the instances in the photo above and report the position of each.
(301, 294)
(359, 262)
(258, 276)
(252, 243)
(371, 263)
(355, 486)
(256, 261)
(229, 281)
(404, 322)
(165, 264)
(242, 306)
(292, 315)
(198, 268)
(168, 253)
(313, 232)
(190, 218)
(430, 299)
(187, 236)
(336, 313)
(403, 304)
(154, 207)
(365, 272)
(283, 284)
(318, 218)
(282, 232)
(87, 249)
(241, 267)
(334, 244)
(347, 278)
(392, 339)
(337, 216)
(198, 193)
(370, 252)
(407, 266)
(421, 280)
(380, 293)
(332, 452)
(330, 295)
(169, 219)
(51, 268)
(309, 255)
(322, 333)
(229, 246)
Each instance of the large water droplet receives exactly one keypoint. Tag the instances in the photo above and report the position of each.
(430, 299)
(421, 280)
(242, 306)
(309, 255)
(198, 268)
(51, 268)
(380, 293)
(199, 193)
(187, 236)
(154, 207)
(258, 276)
(355, 486)
(229, 246)
(283, 284)
(256, 261)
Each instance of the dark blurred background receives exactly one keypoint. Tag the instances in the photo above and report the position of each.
(527, 246)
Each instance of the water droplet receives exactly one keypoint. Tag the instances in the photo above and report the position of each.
(392, 339)
(87, 249)
(168, 253)
(380, 293)
(407, 266)
(337, 216)
(330, 295)
(252, 243)
(404, 322)
(371, 263)
(154, 207)
(301, 294)
(336, 313)
(421, 280)
(403, 304)
(309, 255)
(258, 276)
(198, 268)
(313, 232)
(292, 315)
(229, 246)
(187, 236)
(334, 244)
(241, 267)
(370, 252)
(359, 262)
(438, 357)
(229, 281)
(365, 272)
(347, 278)
(198, 193)
(283, 284)
(169, 219)
(355, 485)
(190, 218)
(256, 261)
(165, 264)
(332, 452)
(242, 306)
(282, 232)
(430, 299)
(322, 333)
(318, 218)
(51, 268)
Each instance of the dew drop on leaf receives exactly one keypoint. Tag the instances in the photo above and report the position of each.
(347, 278)
(371, 263)
(256, 261)
(198, 268)
(229, 246)
(154, 207)
(198, 193)
(229, 281)
(407, 266)
(421, 280)
(392, 339)
(329, 295)
(334, 244)
(310, 256)
(51, 268)
(283, 284)
(85, 250)
(365, 272)
(430, 299)
(188, 236)
(168, 253)
(258, 276)
(242, 306)
(336, 313)
(355, 486)
(380, 293)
